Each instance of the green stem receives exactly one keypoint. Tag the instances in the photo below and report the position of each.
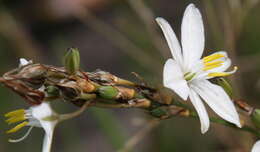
(218, 120)
(225, 123)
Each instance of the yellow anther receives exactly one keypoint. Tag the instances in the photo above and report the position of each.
(15, 113)
(15, 119)
(211, 67)
(18, 127)
(222, 74)
(212, 57)
(218, 74)
(213, 63)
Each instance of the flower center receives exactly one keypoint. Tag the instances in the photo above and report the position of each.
(189, 75)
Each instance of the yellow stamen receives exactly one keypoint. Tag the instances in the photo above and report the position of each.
(222, 74)
(15, 119)
(212, 57)
(211, 67)
(213, 63)
(15, 113)
(218, 74)
(18, 127)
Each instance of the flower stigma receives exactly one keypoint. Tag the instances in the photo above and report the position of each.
(189, 75)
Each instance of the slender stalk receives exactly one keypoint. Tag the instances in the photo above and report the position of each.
(193, 114)
(122, 105)
(135, 139)
(225, 123)
(76, 113)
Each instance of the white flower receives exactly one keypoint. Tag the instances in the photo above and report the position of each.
(36, 116)
(24, 62)
(187, 74)
(256, 147)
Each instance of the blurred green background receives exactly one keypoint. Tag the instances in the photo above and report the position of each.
(121, 36)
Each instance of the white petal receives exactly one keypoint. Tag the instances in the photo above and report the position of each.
(201, 110)
(217, 99)
(47, 141)
(256, 147)
(192, 36)
(41, 111)
(171, 39)
(23, 62)
(173, 78)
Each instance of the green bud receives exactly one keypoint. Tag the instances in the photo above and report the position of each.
(72, 60)
(255, 117)
(225, 85)
(108, 92)
(52, 91)
(159, 112)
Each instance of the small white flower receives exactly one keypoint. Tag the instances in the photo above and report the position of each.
(24, 62)
(256, 147)
(187, 74)
(36, 116)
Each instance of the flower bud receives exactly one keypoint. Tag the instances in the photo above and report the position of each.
(69, 92)
(225, 85)
(108, 92)
(52, 91)
(255, 117)
(125, 93)
(32, 72)
(72, 60)
(85, 85)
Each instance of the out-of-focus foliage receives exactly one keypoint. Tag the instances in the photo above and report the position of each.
(122, 37)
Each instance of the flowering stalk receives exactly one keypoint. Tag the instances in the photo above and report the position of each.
(186, 73)
(83, 87)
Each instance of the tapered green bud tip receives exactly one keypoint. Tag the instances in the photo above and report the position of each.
(255, 117)
(108, 92)
(72, 60)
